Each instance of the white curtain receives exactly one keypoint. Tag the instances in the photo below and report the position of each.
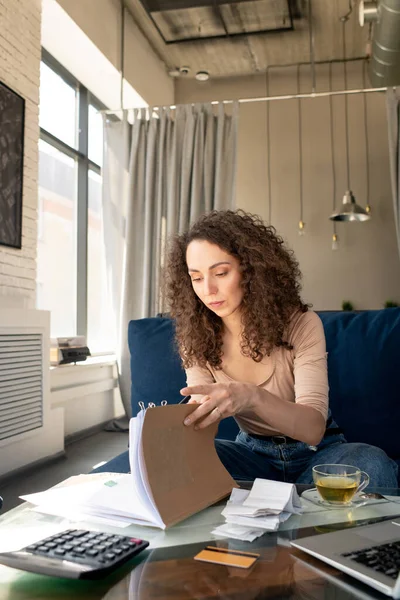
(393, 111)
(159, 175)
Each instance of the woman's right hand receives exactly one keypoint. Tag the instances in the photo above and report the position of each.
(218, 401)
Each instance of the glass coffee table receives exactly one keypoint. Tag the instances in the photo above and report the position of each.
(167, 569)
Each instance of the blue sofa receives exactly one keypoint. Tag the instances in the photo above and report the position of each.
(363, 369)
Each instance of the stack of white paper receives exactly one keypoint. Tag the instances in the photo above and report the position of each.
(249, 514)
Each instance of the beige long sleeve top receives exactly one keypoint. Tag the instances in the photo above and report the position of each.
(297, 375)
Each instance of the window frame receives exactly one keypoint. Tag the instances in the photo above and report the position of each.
(84, 164)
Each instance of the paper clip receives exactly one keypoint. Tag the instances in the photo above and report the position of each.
(164, 403)
(151, 405)
(141, 405)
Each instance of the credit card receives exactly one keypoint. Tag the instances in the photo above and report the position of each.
(229, 558)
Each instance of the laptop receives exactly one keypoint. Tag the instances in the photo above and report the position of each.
(343, 588)
(370, 553)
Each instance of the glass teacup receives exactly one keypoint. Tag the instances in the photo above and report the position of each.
(337, 484)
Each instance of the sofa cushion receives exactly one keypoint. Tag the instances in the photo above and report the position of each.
(156, 370)
(364, 370)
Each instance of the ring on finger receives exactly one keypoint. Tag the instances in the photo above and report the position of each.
(216, 409)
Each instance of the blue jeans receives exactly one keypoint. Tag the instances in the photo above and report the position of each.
(247, 458)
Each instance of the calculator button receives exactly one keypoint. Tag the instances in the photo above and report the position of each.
(78, 533)
(42, 549)
(59, 551)
(92, 552)
(108, 544)
(109, 555)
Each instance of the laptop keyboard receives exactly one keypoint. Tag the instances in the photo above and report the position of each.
(384, 558)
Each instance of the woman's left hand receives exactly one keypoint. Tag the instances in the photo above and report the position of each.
(220, 400)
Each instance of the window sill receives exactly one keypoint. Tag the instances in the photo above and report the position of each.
(102, 360)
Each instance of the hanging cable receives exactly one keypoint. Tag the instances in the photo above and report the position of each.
(368, 207)
(311, 36)
(268, 148)
(122, 54)
(346, 109)
(301, 222)
(335, 238)
(351, 6)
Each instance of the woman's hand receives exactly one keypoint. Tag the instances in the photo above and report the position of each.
(220, 400)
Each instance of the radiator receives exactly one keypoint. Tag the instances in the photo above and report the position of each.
(21, 383)
(30, 429)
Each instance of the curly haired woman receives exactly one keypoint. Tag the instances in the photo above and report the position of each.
(253, 350)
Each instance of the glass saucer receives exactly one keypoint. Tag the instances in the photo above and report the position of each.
(313, 496)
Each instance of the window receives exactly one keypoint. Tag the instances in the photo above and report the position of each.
(95, 136)
(56, 258)
(71, 273)
(100, 324)
(58, 106)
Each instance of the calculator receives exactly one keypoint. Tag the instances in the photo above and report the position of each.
(75, 554)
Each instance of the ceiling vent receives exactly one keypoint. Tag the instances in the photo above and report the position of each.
(190, 20)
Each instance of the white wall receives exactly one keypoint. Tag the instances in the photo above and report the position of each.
(366, 268)
(19, 69)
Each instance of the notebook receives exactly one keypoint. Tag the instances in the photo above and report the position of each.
(370, 553)
(175, 473)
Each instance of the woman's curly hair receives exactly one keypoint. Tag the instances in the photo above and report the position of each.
(270, 281)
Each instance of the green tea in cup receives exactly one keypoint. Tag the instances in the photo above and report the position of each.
(336, 489)
(337, 484)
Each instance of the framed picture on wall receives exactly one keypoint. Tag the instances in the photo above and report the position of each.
(12, 117)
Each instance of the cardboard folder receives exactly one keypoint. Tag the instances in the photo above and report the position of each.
(183, 470)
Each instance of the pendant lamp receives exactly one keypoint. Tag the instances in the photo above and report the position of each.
(349, 210)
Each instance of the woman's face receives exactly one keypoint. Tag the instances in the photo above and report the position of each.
(215, 276)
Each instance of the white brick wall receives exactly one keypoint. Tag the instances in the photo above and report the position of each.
(20, 69)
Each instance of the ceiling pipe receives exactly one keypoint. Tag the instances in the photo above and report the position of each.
(385, 54)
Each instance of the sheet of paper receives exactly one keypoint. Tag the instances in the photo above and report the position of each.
(235, 506)
(275, 495)
(269, 523)
(71, 495)
(119, 498)
(73, 515)
(112, 498)
(238, 532)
